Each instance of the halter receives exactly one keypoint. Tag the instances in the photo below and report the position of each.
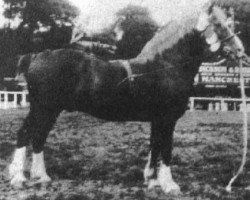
(230, 37)
(131, 77)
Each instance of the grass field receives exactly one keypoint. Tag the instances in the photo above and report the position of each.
(91, 159)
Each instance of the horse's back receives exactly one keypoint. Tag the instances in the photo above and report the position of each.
(71, 79)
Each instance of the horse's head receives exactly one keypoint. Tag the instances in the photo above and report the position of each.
(217, 29)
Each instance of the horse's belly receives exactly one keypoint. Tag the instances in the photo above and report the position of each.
(120, 114)
(127, 107)
(118, 108)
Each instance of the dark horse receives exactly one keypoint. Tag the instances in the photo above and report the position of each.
(155, 86)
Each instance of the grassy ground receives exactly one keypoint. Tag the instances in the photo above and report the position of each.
(91, 159)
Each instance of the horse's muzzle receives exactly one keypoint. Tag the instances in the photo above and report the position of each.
(246, 58)
(238, 54)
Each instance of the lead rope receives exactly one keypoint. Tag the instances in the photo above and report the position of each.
(244, 112)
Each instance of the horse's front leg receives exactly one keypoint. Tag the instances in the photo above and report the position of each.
(165, 178)
(150, 171)
(161, 143)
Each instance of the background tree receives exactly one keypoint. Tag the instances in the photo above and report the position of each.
(43, 24)
(138, 28)
(39, 17)
(35, 13)
(8, 48)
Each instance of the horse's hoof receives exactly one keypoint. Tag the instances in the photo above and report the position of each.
(43, 179)
(175, 192)
(171, 188)
(17, 178)
(17, 182)
(247, 188)
(152, 183)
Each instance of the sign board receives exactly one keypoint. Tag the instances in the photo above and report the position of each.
(221, 74)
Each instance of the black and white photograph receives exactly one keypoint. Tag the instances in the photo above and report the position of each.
(124, 99)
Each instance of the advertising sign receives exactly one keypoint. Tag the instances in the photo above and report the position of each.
(221, 74)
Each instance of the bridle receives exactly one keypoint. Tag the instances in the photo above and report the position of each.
(230, 37)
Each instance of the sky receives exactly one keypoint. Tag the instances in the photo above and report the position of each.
(1, 14)
(99, 14)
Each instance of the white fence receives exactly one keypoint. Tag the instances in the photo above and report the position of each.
(20, 99)
(217, 104)
(13, 99)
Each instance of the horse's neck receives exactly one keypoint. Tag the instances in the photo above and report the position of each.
(171, 60)
(176, 46)
(165, 39)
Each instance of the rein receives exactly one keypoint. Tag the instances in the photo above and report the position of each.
(230, 37)
(131, 77)
(245, 128)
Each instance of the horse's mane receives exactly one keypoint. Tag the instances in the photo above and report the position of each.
(167, 36)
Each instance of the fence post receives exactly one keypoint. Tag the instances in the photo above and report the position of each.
(217, 106)
(210, 107)
(241, 107)
(191, 104)
(15, 100)
(24, 99)
(5, 100)
(224, 106)
(1, 100)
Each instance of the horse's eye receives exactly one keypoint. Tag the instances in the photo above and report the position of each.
(218, 25)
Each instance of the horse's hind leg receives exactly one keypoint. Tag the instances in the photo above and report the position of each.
(16, 168)
(43, 123)
(165, 176)
(35, 128)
